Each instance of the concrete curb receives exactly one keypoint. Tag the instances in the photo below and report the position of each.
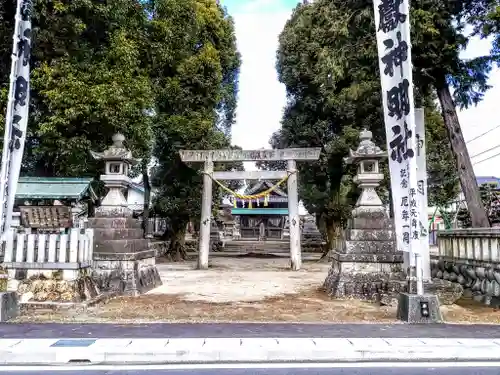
(245, 350)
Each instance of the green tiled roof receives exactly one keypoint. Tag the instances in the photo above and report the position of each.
(53, 188)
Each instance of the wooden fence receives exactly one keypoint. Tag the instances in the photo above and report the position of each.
(42, 253)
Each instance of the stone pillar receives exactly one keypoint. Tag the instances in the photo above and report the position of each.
(293, 216)
(424, 248)
(409, 257)
(206, 214)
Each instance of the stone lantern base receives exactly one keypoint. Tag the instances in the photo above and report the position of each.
(368, 266)
(123, 259)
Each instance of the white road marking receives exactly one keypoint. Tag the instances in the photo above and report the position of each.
(222, 366)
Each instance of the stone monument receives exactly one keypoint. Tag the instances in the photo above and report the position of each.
(311, 237)
(367, 266)
(123, 260)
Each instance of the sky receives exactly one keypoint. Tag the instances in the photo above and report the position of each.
(262, 98)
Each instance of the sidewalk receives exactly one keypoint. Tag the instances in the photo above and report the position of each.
(243, 350)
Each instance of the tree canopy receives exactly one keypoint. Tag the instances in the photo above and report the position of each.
(88, 81)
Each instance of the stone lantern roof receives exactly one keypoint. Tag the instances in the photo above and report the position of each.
(366, 149)
(116, 152)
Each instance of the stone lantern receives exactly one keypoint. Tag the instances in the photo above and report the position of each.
(123, 261)
(367, 265)
(118, 161)
(367, 156)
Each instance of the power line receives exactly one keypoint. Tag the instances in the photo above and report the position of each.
(485, 151)
(491, 157)
(482, 135)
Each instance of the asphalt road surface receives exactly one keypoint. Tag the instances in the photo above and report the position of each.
(190, 330)
(335, 369)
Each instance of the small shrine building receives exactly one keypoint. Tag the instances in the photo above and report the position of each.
(271, 211)
(51, 203)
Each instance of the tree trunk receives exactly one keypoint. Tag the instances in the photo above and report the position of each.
(320, 225)
(90, 208)
(147, 198)
(332, 229)
(177, 249)
(468, 181)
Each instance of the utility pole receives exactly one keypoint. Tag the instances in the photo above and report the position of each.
(478, 214)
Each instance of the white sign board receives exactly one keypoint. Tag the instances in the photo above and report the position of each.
(394, 52)
(16, 119)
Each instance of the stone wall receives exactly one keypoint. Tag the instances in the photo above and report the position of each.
(160, 247)
(471, 258)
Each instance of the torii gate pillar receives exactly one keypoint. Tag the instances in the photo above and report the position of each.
(206, 214)
(293, 216)
(290, 155)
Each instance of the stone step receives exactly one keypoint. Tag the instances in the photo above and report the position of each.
(263, 243)
(104, 234)
(114, 222)
(251, 254)
(246, 250)
(247, 247)
(255, 239)
(122, 246)
(257, 243)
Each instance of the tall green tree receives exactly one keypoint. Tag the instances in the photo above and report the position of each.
(196, 81)
(327, 59)
(87, 82)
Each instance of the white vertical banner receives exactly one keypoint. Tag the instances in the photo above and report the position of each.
(422, 190)
(16, 118)
(392, 22)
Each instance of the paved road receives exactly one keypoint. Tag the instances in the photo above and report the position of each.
(189, 330)
(243, 370)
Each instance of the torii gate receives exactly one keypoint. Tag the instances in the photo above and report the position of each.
(208, 157)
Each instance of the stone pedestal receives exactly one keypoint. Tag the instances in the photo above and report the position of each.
(412, 308)
(123, 259)
(311, 237)
(367, 267)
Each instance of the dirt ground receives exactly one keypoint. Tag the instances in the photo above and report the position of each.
(247, 290)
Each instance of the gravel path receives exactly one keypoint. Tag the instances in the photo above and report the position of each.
(239, 279)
